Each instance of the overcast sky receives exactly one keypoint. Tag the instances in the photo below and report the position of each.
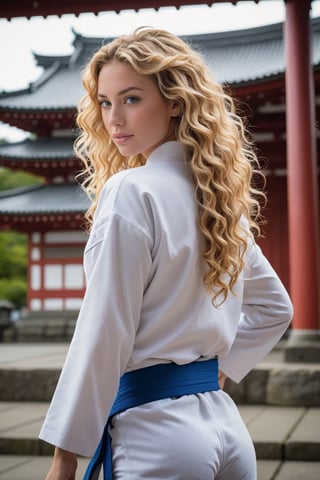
(20, 37)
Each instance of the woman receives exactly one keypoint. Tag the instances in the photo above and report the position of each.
(175, 280)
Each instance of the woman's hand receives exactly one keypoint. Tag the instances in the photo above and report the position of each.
(63, 466)
(222, 377)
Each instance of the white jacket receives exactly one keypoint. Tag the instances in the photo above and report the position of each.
(145, 302)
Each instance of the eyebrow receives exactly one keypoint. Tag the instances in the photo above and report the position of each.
(122, 92)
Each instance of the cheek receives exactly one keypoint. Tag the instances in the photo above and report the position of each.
(156, 117)
(105, 119)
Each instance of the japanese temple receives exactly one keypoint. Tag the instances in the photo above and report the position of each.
(252, 65)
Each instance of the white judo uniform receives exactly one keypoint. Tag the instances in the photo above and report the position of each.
(145, 304)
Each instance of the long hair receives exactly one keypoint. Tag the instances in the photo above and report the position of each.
(221, 157)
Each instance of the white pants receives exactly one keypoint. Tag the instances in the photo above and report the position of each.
(194, 437)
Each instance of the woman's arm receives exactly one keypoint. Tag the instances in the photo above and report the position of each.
(64, 465)
(104, 336)
(222, 377)
(266, 314)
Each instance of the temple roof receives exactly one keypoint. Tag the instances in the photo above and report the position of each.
(236, 58)
(44, 199)
(39, 149)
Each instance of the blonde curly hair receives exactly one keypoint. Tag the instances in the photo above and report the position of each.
(221, 157)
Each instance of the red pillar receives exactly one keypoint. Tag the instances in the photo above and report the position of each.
(302, 171)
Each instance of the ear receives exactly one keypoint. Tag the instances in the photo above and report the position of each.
(176, 108)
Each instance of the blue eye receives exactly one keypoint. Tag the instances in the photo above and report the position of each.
(105, 103)
(132, 100)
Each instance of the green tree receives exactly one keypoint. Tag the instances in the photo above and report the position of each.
(13, 254)
(13, 245)
(13, 267)
(14, 290)
(13, 179)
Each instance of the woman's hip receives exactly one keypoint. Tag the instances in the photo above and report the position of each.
(189, 437)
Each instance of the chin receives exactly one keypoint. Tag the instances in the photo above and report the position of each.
(126, 152)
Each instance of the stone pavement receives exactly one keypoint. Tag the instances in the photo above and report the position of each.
(286, 438)
(35, 468)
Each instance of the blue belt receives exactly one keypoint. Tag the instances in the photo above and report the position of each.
(147, 385)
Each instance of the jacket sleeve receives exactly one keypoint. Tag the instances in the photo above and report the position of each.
(266, 314)
(118, 259)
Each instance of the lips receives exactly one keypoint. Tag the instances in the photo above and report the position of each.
(121, 138)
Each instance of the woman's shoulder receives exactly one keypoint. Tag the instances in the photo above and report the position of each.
(126, 194)
(124, 184)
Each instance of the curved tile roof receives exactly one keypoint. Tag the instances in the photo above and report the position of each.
(227, 62)
(237, 58)
(232, 56)
(42, 148)
(61, 91)
(44, 199)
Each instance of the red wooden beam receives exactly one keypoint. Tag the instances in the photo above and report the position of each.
(30, 8)
(302, 172)
(39, 222)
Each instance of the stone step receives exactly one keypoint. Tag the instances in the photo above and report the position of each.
(276, 382)
(278, 433)
(16, 467)
(286, 386)
(279, 403)
(284, 433)
(29, 372)
(33, 468)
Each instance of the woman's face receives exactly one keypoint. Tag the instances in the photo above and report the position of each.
(134, 112)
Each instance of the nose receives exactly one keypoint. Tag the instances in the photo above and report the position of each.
(116, 117)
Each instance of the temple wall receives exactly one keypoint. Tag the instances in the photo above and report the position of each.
(56, 278)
